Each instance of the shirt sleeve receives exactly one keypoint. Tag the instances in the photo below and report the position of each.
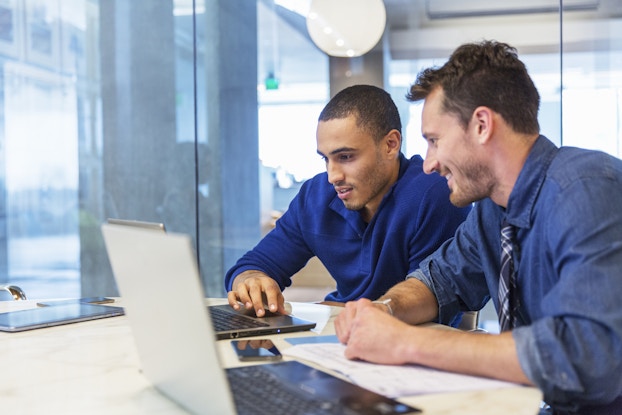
(280, 254)
(437, 220)
(574, 351)
(454, 272)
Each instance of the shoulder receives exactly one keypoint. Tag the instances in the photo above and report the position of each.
(414, 173)
(317, 184)
(416, 183)
(314, 192)
(573, 164)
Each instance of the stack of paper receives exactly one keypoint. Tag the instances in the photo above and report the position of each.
(389, 380)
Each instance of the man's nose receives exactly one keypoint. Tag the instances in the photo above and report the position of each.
(335, 174)
(430, 165)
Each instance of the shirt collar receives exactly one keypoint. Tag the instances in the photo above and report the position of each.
(527, 187)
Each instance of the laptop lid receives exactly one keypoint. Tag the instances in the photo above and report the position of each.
(177, 345)
(172, 332)
(138, 224)
(233, 324)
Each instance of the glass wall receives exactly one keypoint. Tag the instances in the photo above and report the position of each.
(201, 114)
(126, 110)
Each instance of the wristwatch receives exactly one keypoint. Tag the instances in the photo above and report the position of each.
(386, 302)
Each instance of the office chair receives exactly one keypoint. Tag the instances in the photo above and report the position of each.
(14, 290)
(470, 321)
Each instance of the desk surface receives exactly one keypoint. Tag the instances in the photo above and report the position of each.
(93, 368)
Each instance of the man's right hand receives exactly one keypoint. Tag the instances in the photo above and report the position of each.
(256, 290)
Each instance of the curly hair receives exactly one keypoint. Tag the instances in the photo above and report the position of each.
(487, 74)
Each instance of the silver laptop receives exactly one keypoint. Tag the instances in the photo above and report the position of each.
(229, 323)
(156, 226)
(177, 346)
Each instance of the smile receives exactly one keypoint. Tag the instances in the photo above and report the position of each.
(343, 192)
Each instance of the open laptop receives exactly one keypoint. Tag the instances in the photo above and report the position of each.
(156, 226)
(229, 323)
(177, 346)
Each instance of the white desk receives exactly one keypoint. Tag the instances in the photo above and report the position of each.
(93, 368)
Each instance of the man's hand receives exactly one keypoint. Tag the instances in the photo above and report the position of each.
(345, 319)
(255, 344)
(256, 290)
(371, 333)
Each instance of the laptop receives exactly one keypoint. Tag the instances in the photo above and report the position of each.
(138, 223)
(178, 350)
(229, 323)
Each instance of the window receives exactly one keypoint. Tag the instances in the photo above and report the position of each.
(131, 109)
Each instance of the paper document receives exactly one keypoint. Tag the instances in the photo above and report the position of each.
(389, 380)
(318, 313)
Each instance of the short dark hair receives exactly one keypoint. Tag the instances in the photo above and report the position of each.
(488, 74)
(373, 107)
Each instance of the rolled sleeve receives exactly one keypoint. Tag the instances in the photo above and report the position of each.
(551, 365)
(448, 305)
(541, 365)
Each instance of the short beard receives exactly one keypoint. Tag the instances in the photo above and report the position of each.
(478, 185)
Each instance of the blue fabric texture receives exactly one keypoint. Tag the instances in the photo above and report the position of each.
(414, 218)
(567, 208)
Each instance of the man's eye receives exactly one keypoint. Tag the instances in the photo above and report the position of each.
(345, 157)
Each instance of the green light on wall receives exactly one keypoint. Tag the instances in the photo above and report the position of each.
(271, 82)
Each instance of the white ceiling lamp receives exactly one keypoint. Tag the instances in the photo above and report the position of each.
(346, 28)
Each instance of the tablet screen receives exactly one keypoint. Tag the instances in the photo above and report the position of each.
(54, 316)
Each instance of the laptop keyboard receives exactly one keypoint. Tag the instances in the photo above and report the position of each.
(224, 320)
(258, 391)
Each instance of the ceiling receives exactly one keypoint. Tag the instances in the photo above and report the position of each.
(433, 28)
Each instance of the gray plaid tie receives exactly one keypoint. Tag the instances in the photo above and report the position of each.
(507, 279)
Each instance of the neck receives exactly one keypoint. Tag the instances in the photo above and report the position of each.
(513, 150)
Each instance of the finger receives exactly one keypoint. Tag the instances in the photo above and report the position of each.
(275, 302)
(255, 344)
(243, 295)
(232, 297)
(344, 321)
(341, 331)
(349, 353)
(352, 346)
(242, 344)
(257, 298)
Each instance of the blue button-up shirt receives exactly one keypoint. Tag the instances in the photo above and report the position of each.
(567, 207)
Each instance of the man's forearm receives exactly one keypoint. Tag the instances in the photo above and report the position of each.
(476, 354)
(412, 302)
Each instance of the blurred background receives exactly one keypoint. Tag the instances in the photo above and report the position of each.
(201, 114)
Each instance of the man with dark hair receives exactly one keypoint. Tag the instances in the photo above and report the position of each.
(544, 242)
(370, 218)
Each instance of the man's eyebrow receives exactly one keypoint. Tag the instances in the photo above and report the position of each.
(342, 150)
(337, 151)
(428, 135)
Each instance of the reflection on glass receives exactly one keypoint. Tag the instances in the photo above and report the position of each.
(108, 110)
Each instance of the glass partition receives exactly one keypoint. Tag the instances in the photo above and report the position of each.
(201, 114)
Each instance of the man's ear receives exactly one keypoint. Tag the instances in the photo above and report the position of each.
(393, 141)
(483, 123)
